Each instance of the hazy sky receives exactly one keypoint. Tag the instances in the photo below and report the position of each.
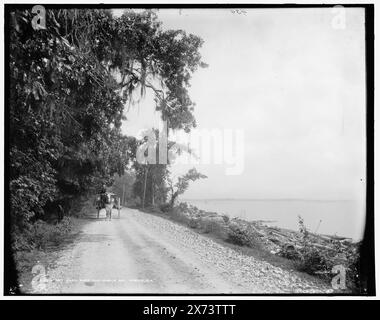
(295, 86)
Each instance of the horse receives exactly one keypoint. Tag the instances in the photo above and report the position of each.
(109, 203)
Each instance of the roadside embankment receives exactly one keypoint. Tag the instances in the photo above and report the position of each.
(311, 253)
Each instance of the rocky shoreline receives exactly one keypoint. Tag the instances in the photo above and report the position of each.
(315, 254)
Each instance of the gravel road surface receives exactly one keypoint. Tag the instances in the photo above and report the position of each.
(144, 253)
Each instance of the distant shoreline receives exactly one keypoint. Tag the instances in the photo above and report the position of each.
(270, 199)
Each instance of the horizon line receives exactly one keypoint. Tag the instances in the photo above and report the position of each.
(266, 199)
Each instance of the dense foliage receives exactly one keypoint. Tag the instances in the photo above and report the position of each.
(69, 85)
(153, 183)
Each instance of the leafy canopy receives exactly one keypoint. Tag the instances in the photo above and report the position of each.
(69, 85)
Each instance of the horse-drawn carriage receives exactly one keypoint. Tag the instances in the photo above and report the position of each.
(107, 201)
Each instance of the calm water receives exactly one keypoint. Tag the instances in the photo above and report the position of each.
(343, 218)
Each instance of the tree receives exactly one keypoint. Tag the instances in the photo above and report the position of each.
(182, 184)
(65, 119)
(123, 186)
(69, 85)
(150, 177)
(150, 185)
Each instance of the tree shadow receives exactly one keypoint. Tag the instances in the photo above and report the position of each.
(93, 238)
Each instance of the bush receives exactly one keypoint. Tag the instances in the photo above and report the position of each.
(45, 234)
(237, 236)
(42, 234)
(166, 207)
(193, 223)
(65, 226)
(215, 225)
(310, 259)
(314, 261)
(25, 259)
(242, 235)
(22, 241)
(288, 251)
(320, 261)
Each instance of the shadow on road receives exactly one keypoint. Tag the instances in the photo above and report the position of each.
(93, 238)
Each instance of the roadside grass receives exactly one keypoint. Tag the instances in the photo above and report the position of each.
(46, 254)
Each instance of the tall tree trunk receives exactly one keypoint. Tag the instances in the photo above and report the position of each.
(145, 178)
(167, 143)
(123, 197)
(152, 192)
(172, 200)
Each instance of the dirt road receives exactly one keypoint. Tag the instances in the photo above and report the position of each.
(143, 253)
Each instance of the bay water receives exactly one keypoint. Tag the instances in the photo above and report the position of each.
(331, 217)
